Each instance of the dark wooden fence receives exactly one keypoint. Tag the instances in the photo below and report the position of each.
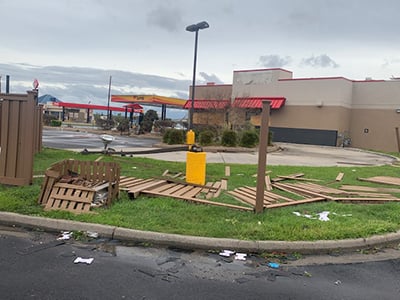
(20, 137)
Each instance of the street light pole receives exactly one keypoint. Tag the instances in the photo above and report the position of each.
(194, 28)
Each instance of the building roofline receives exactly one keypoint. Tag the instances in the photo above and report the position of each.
(260, 70)
(317, 78)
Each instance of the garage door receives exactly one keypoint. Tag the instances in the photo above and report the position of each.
(304, 136)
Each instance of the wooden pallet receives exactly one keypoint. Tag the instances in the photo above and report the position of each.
(73, 198)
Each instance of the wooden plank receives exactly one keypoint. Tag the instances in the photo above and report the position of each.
(72, 186)
(368, 199)
(369, 189)
(136, 190)
(177, 175)
(297, 178)
(227, 171)
(268, 185)
(224, 184)
(300, 190)
(193, 192)
(164, 187)
(217, 189)
(339, 177)
(297, 202)
(165, 173)
(182, 191)
(201, 201)
(291, 176)
(174, 188)
(382, 179)
(243, 198)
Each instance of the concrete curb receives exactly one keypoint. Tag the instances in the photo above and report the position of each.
(194, 242)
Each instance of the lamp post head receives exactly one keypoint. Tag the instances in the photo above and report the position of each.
(197, 27)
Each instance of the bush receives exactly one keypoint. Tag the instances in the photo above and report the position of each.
(249, 139)
(229, 138)
(55, 123)
(48, 118)
(174, 136)
(166, 134)
(206, 138)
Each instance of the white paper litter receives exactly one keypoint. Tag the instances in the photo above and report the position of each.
(227, 253)
(322, 216)
(87, 261)
(65, 235)
(240, 256)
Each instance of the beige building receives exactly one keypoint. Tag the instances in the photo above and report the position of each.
(323, 111)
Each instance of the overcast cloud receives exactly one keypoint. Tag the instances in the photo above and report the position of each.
(73, 46)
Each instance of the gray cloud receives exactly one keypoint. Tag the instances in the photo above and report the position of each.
(320, 61)
(274, 61)
(166, 17)
(210, 77)
(89, 84)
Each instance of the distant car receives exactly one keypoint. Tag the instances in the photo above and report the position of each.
(179, 127)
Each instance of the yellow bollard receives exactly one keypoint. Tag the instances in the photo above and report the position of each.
(190, 137)
(196, 167)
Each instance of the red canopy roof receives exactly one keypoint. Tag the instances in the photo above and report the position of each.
(256, 102)
(207, 104)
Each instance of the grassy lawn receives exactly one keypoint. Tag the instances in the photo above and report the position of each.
(175, 216)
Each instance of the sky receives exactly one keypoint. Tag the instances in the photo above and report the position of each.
(73, 46)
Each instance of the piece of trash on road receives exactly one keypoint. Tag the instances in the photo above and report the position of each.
(65, 235)
(338, 282)
(87, 261)
(227, 253)
(240, 256)
(273, 265)
(92, 234)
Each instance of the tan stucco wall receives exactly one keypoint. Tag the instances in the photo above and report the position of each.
(374, 129)
(376, 95)
(212, 92)
(310, 117)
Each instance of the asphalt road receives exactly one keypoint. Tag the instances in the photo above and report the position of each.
(287, 154)
(79, 140)
(34, 265)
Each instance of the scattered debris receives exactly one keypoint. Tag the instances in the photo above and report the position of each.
(339, 177)
(227, 171)
(87, 261)
(338, 282)
(240, 256)
(323, 216)
(226, 253)
(273, 265)
(92, 234)
(65, 235)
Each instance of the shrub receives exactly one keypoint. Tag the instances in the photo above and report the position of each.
(229, 138)
(48, 118)
(176, 136)
(206, 137)
(166, 134)
(55, 123)
(249, 139)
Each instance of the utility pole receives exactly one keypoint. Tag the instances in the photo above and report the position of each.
(108, 102)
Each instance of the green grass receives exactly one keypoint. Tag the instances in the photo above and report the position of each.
(175, 216)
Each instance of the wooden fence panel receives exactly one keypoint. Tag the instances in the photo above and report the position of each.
(17, 138)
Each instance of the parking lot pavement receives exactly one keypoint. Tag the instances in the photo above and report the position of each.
(288, 154)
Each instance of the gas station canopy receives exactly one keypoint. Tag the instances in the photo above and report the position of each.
(150, 100)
